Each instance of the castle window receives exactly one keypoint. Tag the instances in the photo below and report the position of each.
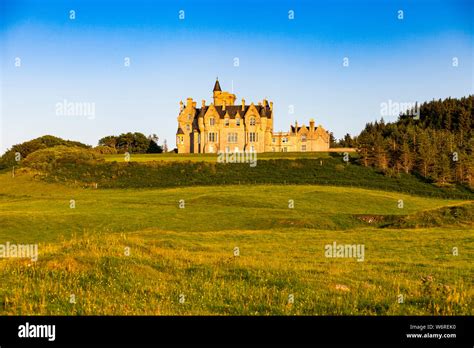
(285, 149)
(232, 137)
(252, 137)
(237, 122)
(303, 138)
(189, 117)
(226, 122)
(252, 121)
(212, 121)
(303, 147)
(227, 149)
(273, 140)
(188, 127)
(284, 140)
(212, 137)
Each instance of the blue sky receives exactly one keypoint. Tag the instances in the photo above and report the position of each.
(295, 62)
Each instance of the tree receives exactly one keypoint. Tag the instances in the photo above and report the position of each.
(133, 143)
(425, 153)
(380, 153)
(347, 141)
(110, 141)
(406, 157)
(332, 140)
(153, 147)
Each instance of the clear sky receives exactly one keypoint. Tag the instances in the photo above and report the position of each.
(295, 62)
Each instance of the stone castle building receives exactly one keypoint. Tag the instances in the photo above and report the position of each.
(224, 126)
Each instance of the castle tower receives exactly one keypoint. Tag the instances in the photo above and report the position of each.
(216, 91)
(222, 98)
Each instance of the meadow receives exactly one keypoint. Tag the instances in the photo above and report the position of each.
(172, 251)
(209, 157)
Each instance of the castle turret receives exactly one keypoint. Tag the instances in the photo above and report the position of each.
(217, 86)
(220, 97)
(216, 91)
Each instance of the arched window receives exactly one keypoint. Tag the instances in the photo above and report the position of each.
(252, 121)
(212, 121)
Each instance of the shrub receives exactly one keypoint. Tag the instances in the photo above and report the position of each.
(47, 159)
(28, 147)
(104, 150)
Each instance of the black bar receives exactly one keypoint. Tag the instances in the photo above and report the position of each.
(347, 330)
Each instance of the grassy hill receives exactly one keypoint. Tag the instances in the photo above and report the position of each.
(325, 169)
(190, 251)
(211, 157)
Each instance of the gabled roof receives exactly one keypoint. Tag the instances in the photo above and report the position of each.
(179, 131)
(293, 128)
(318, 128)
(236, 111)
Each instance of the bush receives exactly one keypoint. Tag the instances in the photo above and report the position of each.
(104, 150)
(28, 147)
(47, 159)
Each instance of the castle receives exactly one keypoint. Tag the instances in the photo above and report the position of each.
(223, 126)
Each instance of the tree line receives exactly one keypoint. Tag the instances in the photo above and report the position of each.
(434, 140)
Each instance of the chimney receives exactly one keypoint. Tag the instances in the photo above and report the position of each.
(194, 104)
(311, 125)
(189, 102)
(203, 103)
(181, 105)
(296, 126)
(223, 105)
(243, 104)
(271, 106)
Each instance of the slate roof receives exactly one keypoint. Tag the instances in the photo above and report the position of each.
(307, 127)
(235, 111)
(217, 87)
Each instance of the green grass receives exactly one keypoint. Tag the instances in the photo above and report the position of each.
(331, 171)
(271, 266)
(46, 207)
(209, 157)
(189, 251)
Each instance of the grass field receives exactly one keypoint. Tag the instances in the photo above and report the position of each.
(135, 251)
(212, 157)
